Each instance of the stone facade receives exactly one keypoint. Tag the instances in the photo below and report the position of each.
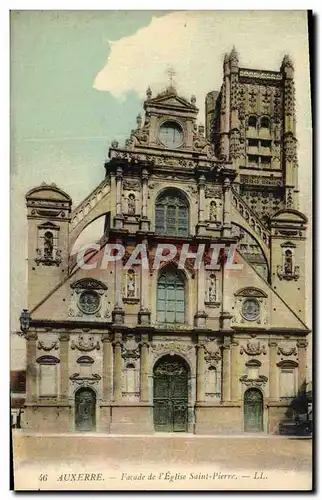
(105, 351)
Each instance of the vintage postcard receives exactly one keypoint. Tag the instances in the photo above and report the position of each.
(161, 171)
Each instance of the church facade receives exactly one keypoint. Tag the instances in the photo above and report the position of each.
(118, 344)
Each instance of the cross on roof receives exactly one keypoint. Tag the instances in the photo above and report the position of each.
(171, 74)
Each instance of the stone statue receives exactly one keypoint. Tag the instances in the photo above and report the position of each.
(131, 204)
(48, 245)
(213, 211)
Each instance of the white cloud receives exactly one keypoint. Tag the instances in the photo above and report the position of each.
(194, 44)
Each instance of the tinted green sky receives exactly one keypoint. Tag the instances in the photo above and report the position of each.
(57, 118)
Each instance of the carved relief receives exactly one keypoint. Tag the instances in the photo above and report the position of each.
(85, 343)
(130, 347)
(211, 192)
(131, 184)
(287, 352)
(262, 380)
(90, 380)
(253, 349)
(42, 346)
(89, 298)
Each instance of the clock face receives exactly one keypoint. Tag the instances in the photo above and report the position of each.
(250, 309)
(171, 135)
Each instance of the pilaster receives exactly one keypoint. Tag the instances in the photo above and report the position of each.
(118, 366)
(144, 358)
(235, 383)
(64, 371)
(200, 385)
(226, 369)
(31, 372)
(273, 371)
(107, 367)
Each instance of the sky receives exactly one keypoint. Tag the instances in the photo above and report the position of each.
(78, 81)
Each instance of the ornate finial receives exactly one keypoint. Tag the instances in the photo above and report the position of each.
(149, 92)
(287, 61)
(226, 58)
(139, 120)
(115, 144)
(193, 99)
(234, 56)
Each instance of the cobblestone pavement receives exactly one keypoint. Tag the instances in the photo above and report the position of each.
(278, 457)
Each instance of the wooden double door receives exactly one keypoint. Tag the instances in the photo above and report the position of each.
(85, 410)
(253, 410)
(170, 395)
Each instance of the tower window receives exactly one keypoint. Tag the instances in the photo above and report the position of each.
(253, 160)
(253, 143)
(252, 121)
(265, 123)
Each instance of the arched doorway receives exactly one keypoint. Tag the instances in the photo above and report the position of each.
(253, 410)
(85, 410)
(170, 394)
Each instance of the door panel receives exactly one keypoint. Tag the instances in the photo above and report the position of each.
(171, 396)
(253, 410)
(85, 406)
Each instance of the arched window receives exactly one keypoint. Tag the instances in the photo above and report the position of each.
(252, 121)
(265, 123)
(212, 382)
(172, 214)
(130, 378)
(170, 297)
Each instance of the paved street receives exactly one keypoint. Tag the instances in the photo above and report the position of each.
(193, 462)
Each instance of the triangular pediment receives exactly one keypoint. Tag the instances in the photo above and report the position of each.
(171, 100)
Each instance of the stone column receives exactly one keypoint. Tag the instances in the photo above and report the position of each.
(118, 312)
(273, 371)
(302, 345)
(144, 313)
(226, 370)
(200, 386)
(64, 371)
(227, 207)
(201, 185)
(144, 368)
(201, 288)
(119, 178)
(107, 367)
(31, 372)
(118, 367)
(235, 383)
(145, 177)
(227, 106)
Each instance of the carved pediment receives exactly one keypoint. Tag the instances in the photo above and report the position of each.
(169, 98)
(88, 284)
